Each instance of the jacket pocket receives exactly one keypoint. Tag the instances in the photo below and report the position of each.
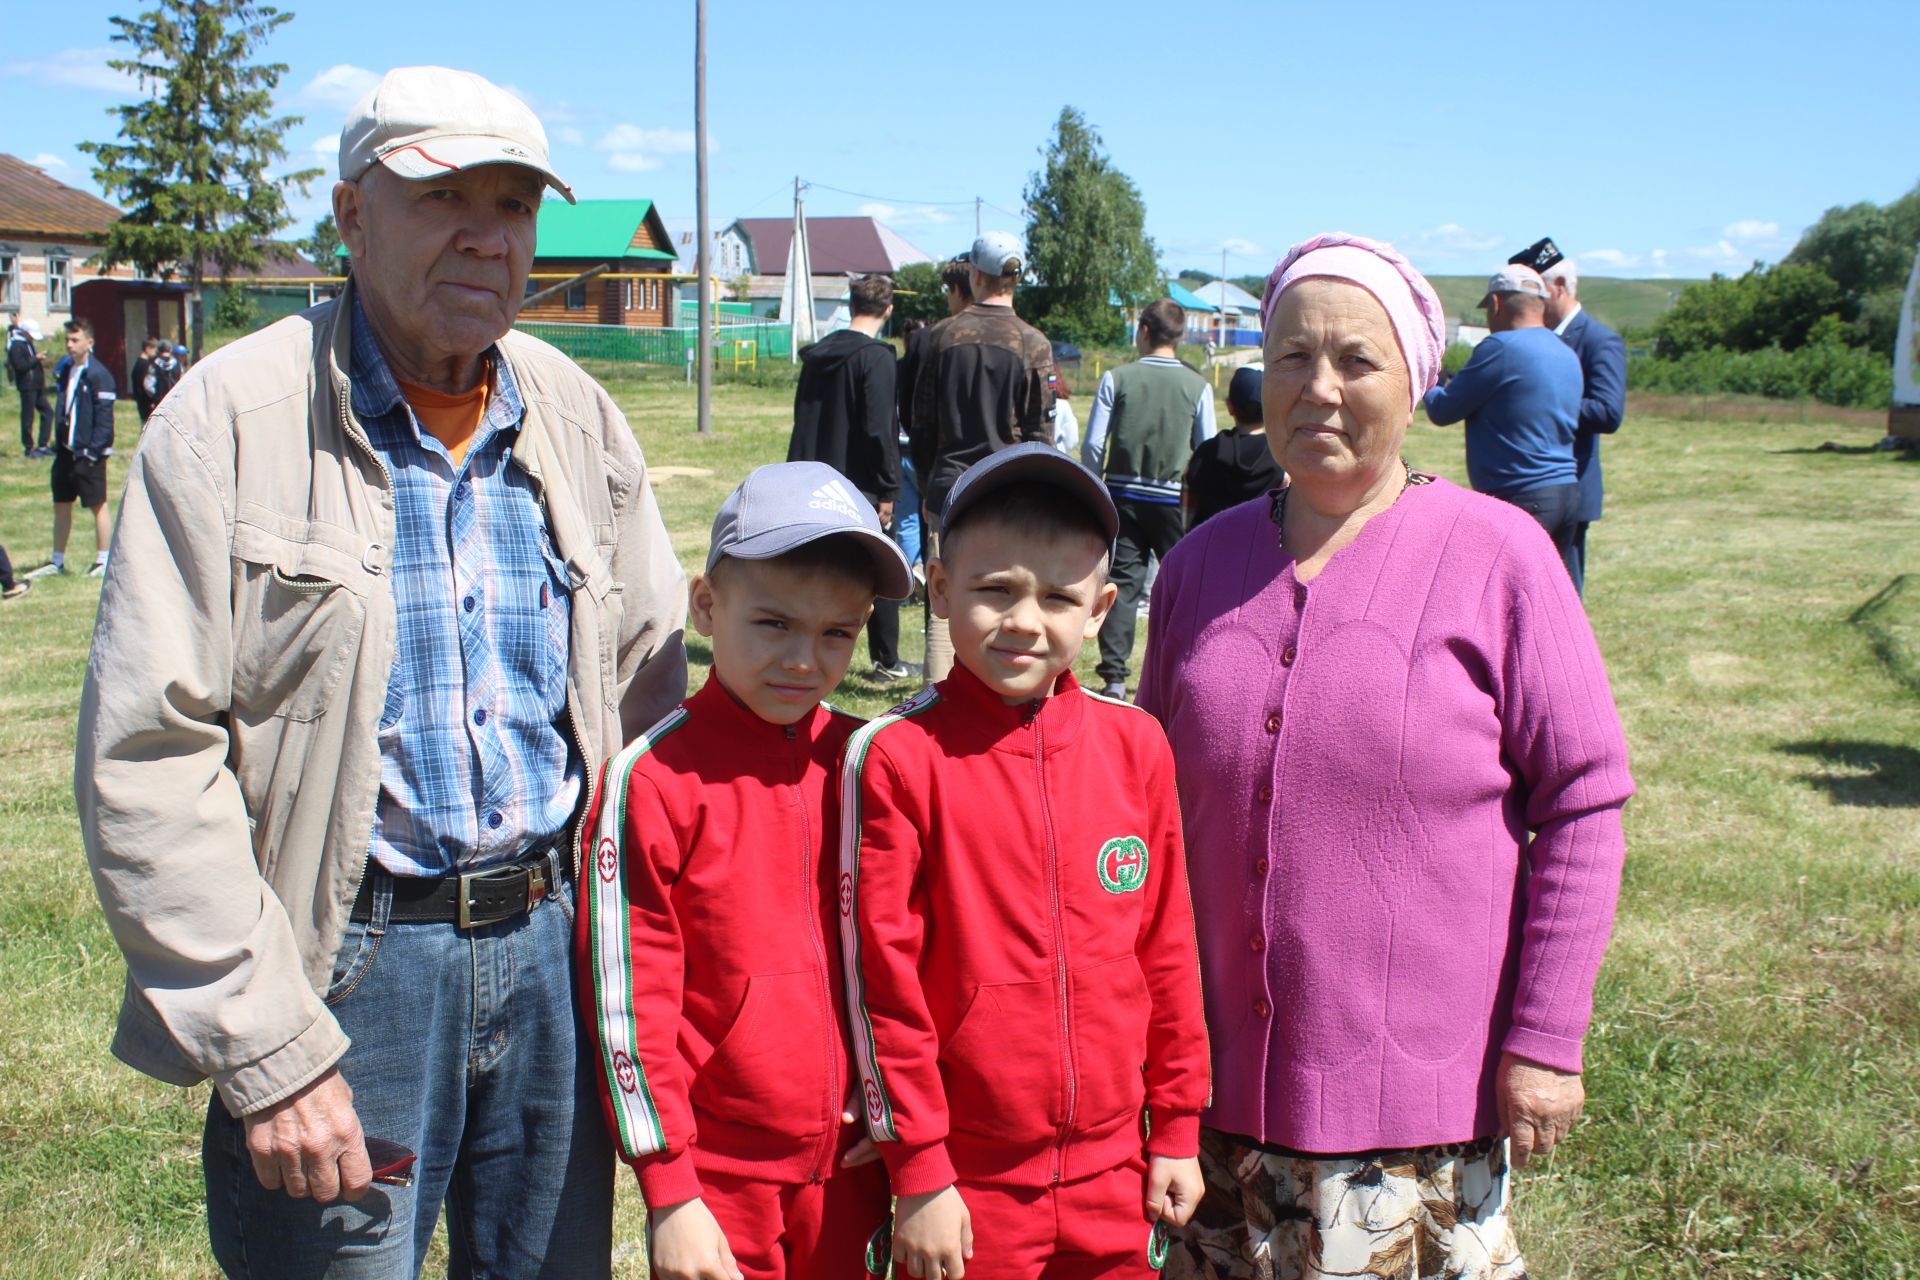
(770, 1069)
(294, 634)
(1110, 1012)
(1001, 1066)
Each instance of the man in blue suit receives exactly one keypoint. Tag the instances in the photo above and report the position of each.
(1603, 395)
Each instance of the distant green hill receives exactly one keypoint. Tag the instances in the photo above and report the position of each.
(1619, 304)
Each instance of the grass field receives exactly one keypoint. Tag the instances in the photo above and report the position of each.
(1619, 304)
(1754, 1067)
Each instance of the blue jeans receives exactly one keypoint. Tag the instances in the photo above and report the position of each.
(1557, 508)
(906, 511)
(464, 1048)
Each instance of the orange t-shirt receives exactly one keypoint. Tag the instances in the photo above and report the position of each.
(452, 420)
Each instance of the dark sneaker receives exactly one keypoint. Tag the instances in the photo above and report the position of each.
(1115, 689)
(99, 569)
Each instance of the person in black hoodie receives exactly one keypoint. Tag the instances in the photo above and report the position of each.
(844, 415)
(141, 375)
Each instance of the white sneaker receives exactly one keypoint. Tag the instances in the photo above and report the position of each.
(47, 570)
(99, 569)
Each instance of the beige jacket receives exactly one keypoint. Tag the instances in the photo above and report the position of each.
(227, 766)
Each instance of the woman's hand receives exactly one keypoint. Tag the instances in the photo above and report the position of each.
(1174, 1188)
(688, 1244)
(1538, 1106)
(933, 1235)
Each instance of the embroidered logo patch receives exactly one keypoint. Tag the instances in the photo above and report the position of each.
(846, 895)
(1157, 1242)
(880, 1249)
(607, 859)
(624, 1073)
(1123, 864)
(876, 1109)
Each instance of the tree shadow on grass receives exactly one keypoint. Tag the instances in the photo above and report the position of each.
(1870, 775)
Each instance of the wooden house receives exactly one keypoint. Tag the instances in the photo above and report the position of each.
(594, 262)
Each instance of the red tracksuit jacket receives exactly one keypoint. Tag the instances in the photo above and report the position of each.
(710, 983)
(1021, 965)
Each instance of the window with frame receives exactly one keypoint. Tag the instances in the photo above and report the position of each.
(577, 298)
(59, 282)
(10, 280)
(626, 295)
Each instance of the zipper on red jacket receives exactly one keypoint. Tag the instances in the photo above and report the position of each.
(810, 894)
(1059, 941)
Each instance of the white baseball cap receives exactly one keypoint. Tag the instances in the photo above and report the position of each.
(33, 329)
(422, 122)
(997, 254)
(1514, 278)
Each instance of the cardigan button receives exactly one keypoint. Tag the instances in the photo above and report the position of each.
(1261, 1009)
(1273, 723)
(1260, 866)
(1288, 655)
(1266, 793)
(1256, 944)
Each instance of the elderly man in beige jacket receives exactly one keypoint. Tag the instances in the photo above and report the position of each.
(389, 586)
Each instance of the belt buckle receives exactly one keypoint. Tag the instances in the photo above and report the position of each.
(533, 887)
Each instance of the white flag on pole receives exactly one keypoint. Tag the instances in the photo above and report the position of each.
(796, 295)
(1906, 350)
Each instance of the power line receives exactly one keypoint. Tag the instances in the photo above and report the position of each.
(867, 195)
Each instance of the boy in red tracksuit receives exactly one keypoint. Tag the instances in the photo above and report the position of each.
(708, 964)
(1019, 944)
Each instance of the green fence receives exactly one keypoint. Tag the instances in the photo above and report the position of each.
(636, 345)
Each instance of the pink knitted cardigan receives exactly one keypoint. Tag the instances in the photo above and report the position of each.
(1402, 786)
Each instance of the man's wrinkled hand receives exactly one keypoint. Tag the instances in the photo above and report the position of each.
(310, 1145)
(1538, 1107)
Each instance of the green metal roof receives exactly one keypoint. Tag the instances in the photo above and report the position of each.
(590, 229)
(593, 229)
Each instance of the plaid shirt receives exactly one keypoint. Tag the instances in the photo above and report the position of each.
(476, 759)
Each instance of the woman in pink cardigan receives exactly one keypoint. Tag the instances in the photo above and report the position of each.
(1401, 774)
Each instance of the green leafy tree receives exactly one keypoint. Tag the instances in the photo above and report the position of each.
(1858, 246)
(322, 245)
(192, 164)
(918, 294)
(1086, 237)
(1767, 307)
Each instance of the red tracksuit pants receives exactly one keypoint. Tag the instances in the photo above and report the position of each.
(805, 1230)
(1093, 1227)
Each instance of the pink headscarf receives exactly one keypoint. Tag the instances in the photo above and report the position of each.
(1419, 322)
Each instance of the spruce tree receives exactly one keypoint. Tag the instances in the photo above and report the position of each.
(1086, 238)
(191, 163)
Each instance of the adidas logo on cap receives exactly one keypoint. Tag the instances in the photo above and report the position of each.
(833, 496)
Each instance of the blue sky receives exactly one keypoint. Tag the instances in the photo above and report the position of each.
(1648, 139)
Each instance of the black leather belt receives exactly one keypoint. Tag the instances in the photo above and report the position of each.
(470, 900)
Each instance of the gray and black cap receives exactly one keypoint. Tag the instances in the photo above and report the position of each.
(1033, 462)
(785, 505)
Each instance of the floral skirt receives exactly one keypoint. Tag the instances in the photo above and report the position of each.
(1396, 1215)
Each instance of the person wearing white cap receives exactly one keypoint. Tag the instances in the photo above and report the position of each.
(30, 377)
(388, 588)
(1520, 397)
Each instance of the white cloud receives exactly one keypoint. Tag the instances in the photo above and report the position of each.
(74, 69)
(327, 144)
(340, 87)
(923, 215)
(631, 149)
(549, 113)
(1751, 229)
(1450, 238)
(1243, 248)
(48, 161)
(571, 136)
(1615, 259)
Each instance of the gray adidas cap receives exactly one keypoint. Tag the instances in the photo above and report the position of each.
(1515, 277)
(785, 505)
(1037, 462)
(997, 254)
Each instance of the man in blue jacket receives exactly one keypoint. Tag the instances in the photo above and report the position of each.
(1603, 395)
(1520, 397)
(82, 440)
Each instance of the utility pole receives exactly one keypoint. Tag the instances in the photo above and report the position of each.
(1223, 297)
(704, 263)
(976, 217)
